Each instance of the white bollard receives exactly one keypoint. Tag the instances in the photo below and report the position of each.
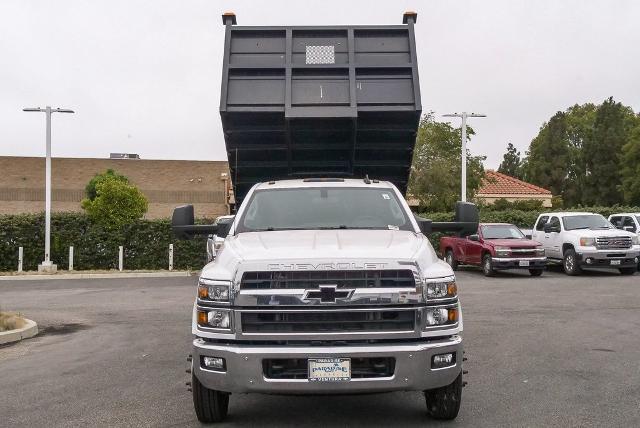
(20, 258)
(120, 257)
(170, 256)
(71, 258)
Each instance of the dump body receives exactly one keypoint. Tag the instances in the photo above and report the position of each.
(322, 101)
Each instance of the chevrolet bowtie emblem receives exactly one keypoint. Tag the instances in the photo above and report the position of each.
(327, 293)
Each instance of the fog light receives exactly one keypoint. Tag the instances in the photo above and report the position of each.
(214, 363)
(443, 360)
(635, 260)
(589, 260)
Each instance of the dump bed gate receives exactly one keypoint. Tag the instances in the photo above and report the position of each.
(319, 101)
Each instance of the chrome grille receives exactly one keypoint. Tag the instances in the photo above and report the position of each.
(328, 321)
(524, 252)
(613, 242)
(341, 278)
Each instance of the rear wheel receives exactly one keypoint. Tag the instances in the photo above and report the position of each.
(570, 262)
(451, 260)
(487, 267)
(444, 402)
(628, 270)
(535, 272)
(210, 405)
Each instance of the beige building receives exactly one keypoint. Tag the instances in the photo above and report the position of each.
(501, 186)
(165, 183)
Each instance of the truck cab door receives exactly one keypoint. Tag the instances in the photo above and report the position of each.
(473, 246)
(553, 239)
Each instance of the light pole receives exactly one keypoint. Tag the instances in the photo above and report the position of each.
(46, 265)
(464, 115)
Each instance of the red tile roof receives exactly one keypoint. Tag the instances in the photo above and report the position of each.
(496, 183)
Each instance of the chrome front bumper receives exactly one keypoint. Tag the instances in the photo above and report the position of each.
(244, 369)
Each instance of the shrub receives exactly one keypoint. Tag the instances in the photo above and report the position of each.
(116, 202)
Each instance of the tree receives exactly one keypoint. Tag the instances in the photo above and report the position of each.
(580, 120)
(630, 162)
(602, 153)
(116, 201)
(436, 170)
(548, 158)
(511, 163)
(90, 189)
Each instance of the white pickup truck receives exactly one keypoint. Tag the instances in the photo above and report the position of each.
(586, 240)
(326, 286)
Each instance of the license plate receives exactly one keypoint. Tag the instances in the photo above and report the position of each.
(329, 369)
(615, 262)
(524, 263)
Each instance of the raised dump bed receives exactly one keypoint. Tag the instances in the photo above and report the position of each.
(327, 101)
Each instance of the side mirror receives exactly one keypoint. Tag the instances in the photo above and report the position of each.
(183, 227)
(528, 236)
(424, 225)
(629, 228)
(548, 228)
(474, 237)
(465, 222)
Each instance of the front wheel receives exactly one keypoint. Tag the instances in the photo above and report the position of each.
(451, 260)
(210, 405)
(570, 263)
(487, 267)
(444, 402)
(535, 272)
(628, 270)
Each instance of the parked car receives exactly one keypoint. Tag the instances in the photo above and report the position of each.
(582, 239)
(215, 242)
(626, 221)
(495, 246)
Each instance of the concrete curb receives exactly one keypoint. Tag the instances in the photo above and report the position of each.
(29, 330)
(44, 277)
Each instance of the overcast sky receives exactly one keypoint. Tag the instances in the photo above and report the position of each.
(144, 76)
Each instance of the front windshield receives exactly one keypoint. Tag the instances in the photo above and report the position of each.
(586, 221)
(502, 231)
(324, 208)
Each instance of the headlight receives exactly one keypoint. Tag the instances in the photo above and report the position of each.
(634, 240)
(587, 242)
(440, 316)
(503, 251)
(216, 291)
(540, 251)
(440, 290)
(216, 318)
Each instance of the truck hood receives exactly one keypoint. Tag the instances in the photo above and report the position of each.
(599, 232)
(326, 244)
(325, 250)
(511, 243)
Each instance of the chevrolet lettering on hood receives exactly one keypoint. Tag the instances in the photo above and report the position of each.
(326, 266)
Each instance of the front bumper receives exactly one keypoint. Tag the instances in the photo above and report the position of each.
(244, 368)
(518, 262)
(608, 258)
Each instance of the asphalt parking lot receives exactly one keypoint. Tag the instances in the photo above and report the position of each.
(548, 351)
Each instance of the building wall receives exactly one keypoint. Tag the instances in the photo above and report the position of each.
(166, 183)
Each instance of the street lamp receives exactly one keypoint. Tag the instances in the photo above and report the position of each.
(464, 115)
(46, 265)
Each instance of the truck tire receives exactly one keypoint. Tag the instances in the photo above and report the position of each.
(535, 272)
(487, 268)
(210, 405)
(570, 263)
(451, 260)
(628, 270)
(444, 402)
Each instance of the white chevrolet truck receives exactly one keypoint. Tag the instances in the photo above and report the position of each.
(586, 240)
(326, 286)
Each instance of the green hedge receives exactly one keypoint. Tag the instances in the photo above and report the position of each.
(145, 242)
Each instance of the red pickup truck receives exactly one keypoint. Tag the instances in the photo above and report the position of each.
(496, 246)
